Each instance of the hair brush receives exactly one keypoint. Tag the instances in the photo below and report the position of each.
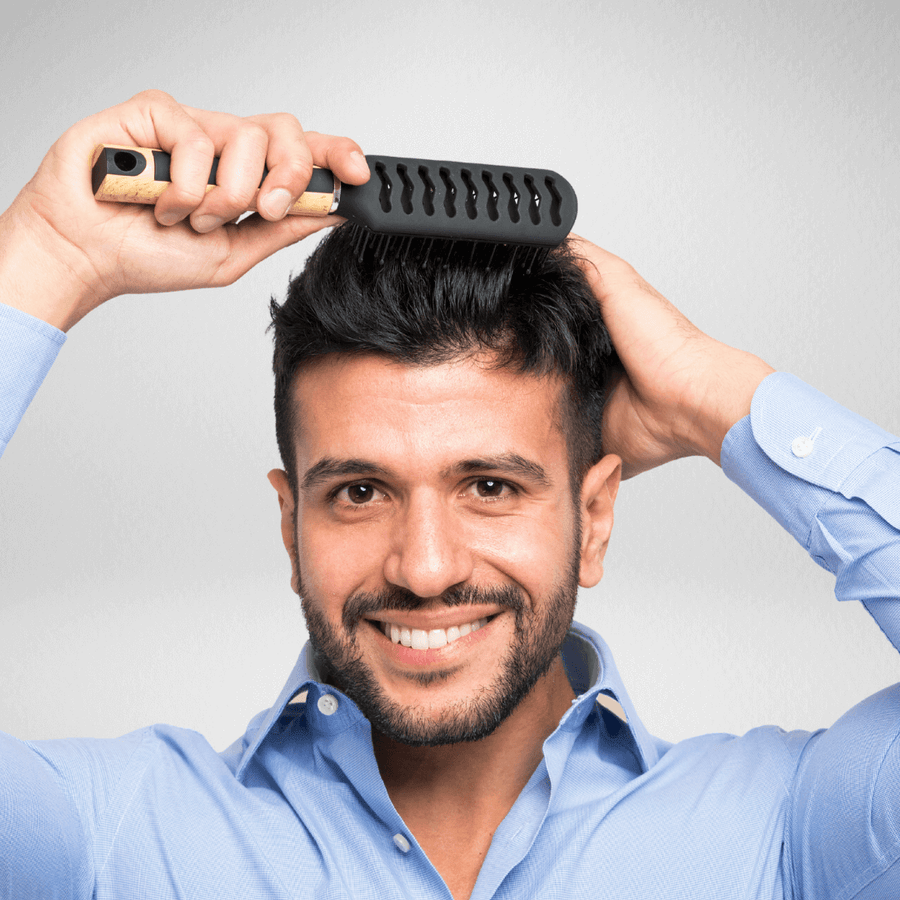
(406, 199)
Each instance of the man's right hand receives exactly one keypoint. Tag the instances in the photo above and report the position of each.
(63, 253)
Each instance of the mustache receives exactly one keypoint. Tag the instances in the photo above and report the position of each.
(363, 604)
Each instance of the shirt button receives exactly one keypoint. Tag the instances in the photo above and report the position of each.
(401, 842)
(801, 446)
(327, 704)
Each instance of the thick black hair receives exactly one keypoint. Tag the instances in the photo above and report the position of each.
(431, 303)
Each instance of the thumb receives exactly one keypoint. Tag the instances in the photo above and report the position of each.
(254, 238)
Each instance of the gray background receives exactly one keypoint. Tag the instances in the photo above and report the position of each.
(743, 156)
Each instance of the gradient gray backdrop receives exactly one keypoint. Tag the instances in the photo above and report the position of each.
(743, 156)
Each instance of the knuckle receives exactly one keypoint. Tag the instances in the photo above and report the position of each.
(200, 142)
(151, 95)
(187, 196)
(234, 197)
(285, 119)
(255, 134)
(299, 170)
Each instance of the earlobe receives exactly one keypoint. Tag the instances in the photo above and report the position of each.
(598, 496)
(279, 480)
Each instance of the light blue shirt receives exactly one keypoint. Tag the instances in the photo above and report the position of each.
(297, 808)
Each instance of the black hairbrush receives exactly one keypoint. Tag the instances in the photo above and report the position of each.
(404, 200)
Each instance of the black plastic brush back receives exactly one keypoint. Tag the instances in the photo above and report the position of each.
(429, 198)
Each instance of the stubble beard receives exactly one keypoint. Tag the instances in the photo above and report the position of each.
(539, 636)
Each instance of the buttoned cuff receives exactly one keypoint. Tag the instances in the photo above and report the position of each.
(827, 475)
(28, 348)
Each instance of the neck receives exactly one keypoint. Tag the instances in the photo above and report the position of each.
(479, 779)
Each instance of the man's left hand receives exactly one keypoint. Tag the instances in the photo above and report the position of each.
(681, 390)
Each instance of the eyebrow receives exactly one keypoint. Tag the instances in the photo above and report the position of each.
(508, 463)
(329, 468)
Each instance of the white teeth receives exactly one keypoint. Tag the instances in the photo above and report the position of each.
(434, 639)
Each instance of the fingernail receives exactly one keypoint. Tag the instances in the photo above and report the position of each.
(169, 218)
(203, 224)
(359, 161)
(276, 203)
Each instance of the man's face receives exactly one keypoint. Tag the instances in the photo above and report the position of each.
(431, 501)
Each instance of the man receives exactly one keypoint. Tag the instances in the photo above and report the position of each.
(448, 728)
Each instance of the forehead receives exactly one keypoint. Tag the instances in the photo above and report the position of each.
(371, 406)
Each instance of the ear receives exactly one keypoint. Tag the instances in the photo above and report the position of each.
(598, 494)
(279, 480)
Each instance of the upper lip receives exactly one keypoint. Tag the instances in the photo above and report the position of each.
(429, 620)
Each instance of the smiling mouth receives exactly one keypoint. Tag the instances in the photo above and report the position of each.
(418, 639)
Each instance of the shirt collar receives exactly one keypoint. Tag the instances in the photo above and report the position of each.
(588, 662)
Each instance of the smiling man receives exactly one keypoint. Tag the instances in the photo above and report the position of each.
(453, 436)
(444, 492)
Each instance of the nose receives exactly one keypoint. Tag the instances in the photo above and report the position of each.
(428, 551)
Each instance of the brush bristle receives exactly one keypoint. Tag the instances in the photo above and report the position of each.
(374, 249)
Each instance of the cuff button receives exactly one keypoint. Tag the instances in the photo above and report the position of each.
(801, 447)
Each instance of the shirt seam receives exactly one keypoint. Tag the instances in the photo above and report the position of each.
(87, 833)
(151, 750)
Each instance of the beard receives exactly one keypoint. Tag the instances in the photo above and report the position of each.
(539, 636)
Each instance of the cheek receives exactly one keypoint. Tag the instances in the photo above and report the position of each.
(534, 550)
(335, 561)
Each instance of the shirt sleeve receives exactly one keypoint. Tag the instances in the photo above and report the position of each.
(28, 348)
(45, 849)
(832, 479)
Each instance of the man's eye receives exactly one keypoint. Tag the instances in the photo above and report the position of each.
(492, 488)
(358, 494)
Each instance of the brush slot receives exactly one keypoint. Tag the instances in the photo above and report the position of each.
(513, 206)
(493, 196)
(555, 201)
(407, 193)
(428, 195)
(384, 197)
(450, 193)
(534, 207)
(471, 194)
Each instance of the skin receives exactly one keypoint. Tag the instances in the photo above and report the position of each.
(62, 255)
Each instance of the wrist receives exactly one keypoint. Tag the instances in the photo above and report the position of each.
(725, 402)
(39, 275)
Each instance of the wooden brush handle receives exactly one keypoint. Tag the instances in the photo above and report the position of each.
(139, 175)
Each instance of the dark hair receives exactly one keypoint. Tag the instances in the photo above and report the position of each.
(431, 303)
